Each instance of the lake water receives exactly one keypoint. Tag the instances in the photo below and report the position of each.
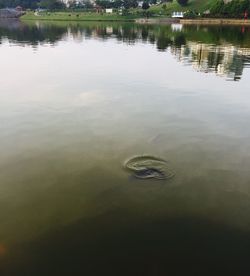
(76, 101)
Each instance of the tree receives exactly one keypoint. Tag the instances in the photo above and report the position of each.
(130, 4)
(103, 3)
(217, 8)
(32, 4)
(145, 5)
(235, 8)
(182, 2)
(52, 4)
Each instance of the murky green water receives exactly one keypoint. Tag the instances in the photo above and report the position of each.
(76, 101)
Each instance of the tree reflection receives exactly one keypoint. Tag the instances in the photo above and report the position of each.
(221, 50)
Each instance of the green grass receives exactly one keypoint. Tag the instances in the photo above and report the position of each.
(201, 5)
(77, 16)
(195, 5)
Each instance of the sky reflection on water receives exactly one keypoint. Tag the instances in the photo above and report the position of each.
(76, 101)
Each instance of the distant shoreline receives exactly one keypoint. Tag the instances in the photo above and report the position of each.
(216, 21)
(77, 17)
(203, 21)
(78, 20)
(74, 16)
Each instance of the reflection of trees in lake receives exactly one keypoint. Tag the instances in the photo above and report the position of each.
(224, 60)
(33, 34)
(223, 50)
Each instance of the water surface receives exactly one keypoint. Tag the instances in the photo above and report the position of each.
(76, 101)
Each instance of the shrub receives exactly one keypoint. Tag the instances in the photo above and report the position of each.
(191, 14)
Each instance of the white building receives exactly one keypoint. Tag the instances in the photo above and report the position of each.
(109, 10)
(177, 14)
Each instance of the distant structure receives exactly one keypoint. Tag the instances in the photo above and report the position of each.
(109, 10)
(177, 14)
(19, 9)
(78, 2)
(11, 13)
(140, 3)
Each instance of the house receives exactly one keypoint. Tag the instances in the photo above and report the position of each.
(177, 14)
(109, 10)
(10, 13)
(140, 3)
(19, 9)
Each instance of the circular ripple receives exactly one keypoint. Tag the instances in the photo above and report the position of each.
(148, 166)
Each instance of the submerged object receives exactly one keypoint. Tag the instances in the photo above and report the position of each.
(148, 166)
(150, 173)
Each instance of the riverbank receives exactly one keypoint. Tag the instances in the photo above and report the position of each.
(214, 21)
(75, 16)
(166, 20)
(201, 21)
(84, 16)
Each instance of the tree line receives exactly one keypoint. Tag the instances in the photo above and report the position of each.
(58, 4)
(234, 9)
(33, 4)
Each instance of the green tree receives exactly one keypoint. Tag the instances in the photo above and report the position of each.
(145, 5)
(235, 8)
(217, 8)
(130, 4)
(182, 2)
(52, 4)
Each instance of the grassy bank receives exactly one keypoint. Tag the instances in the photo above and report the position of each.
(161, 10)
(83, 16)
(193, 5)
(77, 16)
